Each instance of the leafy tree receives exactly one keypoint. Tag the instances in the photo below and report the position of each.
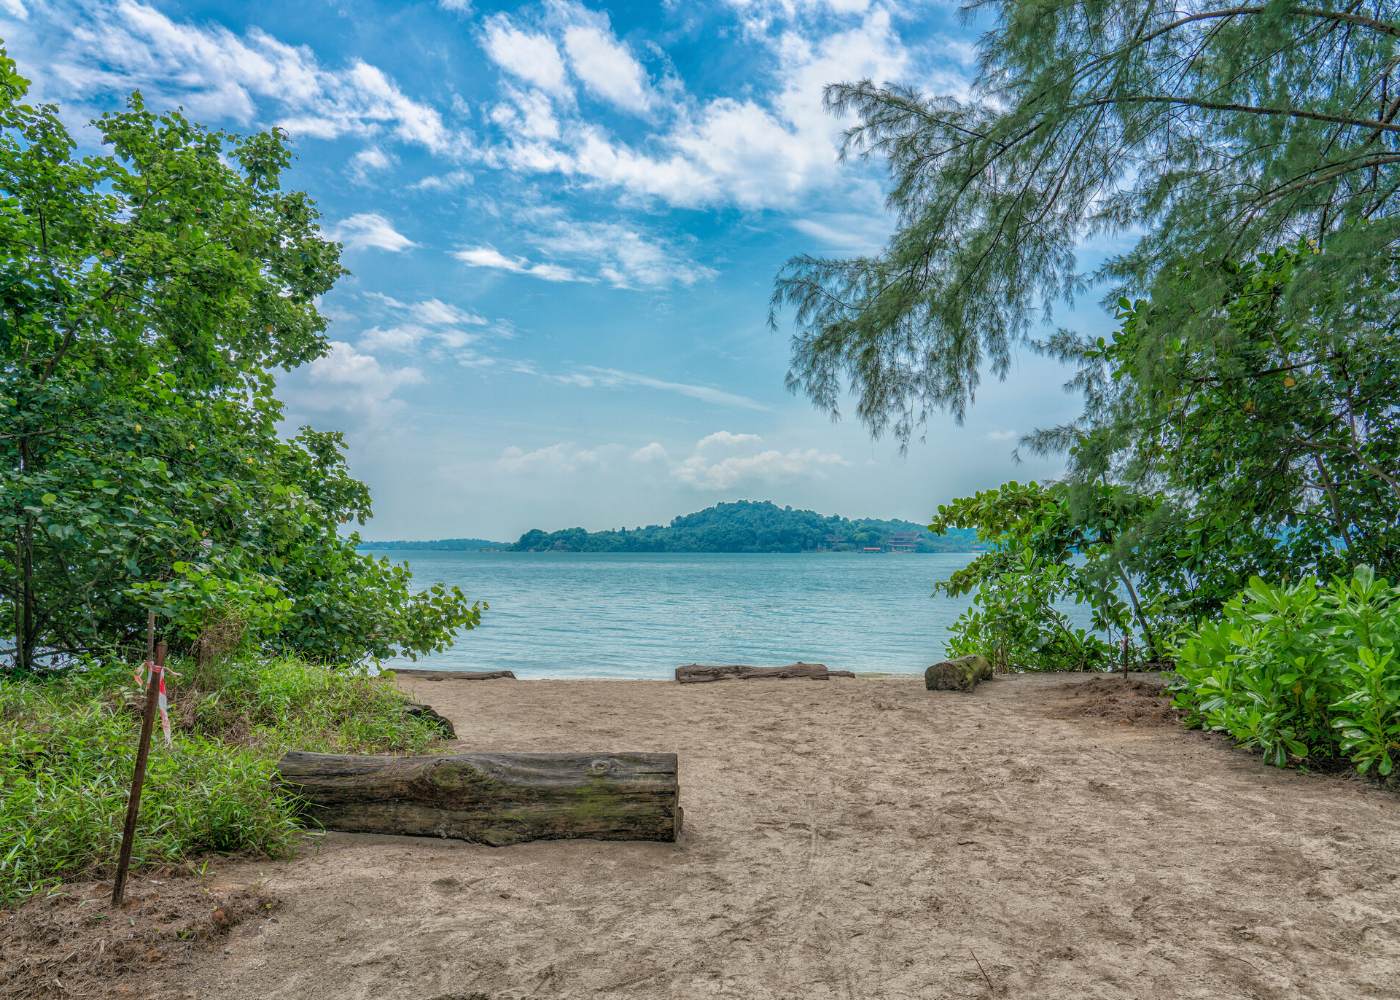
(1049, 545)
(1215, 130)
(146, 298)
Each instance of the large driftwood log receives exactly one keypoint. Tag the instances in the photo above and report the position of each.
(961, 674)
(491, 798)
(697, 674)
(455, 675)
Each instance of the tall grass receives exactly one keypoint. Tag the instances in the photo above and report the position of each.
(68, 748)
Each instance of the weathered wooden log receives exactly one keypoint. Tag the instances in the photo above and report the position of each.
(697, 674)
(455, 675)
(491, 798)
(961, 674)
(418, 710)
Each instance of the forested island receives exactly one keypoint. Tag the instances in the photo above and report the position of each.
(742, 526)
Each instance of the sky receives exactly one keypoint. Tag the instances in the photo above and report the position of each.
(563, 221)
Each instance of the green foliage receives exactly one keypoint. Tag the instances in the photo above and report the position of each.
(1276, 446)
(1211, 132)
(67, 751)
(744, 526)
(1302, 673)
(147, 296)
(1050, 545)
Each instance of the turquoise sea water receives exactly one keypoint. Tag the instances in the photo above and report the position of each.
(642, 615)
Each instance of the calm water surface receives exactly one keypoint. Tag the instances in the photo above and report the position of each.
(642, 615)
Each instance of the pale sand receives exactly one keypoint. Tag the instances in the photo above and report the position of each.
(856, 839)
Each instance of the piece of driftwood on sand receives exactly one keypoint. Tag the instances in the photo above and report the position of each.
(961, 674)
(491, 798)
(698, 674)
(455, 675)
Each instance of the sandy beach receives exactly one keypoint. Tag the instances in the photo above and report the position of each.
(847, 839)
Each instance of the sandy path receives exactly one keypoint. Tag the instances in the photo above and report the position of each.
(857, 839)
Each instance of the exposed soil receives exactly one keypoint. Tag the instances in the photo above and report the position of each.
(1126, 700)
(856, 839)
(75, 943)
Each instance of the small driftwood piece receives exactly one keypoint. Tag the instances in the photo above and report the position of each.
(491, 798)
(961, 674)
(455, 675)
(697, 674)
(418, 710)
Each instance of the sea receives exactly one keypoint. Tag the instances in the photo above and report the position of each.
(641, 615)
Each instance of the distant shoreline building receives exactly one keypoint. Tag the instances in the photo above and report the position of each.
(907, 541)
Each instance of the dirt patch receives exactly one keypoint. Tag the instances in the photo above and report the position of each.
(1126, 700)
(74, 943)
(860, 839)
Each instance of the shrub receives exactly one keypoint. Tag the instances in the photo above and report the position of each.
(1304, 673)
(68, 748)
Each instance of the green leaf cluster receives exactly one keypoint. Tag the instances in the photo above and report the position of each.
(1303, 673)
(147, 298)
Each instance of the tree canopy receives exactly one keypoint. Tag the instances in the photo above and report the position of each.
(147, 297)
(1209, 131)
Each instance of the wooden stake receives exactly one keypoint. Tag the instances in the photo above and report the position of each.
(133, 803)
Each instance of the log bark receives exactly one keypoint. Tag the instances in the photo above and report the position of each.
(491, 798)
(961, 674)
(455, 675)
(697, 674)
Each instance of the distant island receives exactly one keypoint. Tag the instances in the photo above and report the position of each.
(742, 526)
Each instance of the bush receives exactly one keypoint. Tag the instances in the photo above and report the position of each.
(1303, 673)
(68, 749)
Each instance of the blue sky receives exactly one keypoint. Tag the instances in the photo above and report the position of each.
(563, 222)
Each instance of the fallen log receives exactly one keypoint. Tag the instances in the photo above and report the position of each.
(490, 798)
(961, 674)
(697, 674)
(455, 675)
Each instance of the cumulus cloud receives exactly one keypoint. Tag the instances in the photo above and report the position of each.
(624, 257)
(606, 67)
(556, 459)
(1001, 435)
(112, 47)
(369, 229)
(444, 183)
(440, 329)
(531, 57)
(705, 471)
(353, 386)
(492, 258)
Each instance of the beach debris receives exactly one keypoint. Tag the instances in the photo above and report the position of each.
(491, 798)
(420, 711)
(961, 674)
(697, 674)
(455, 675)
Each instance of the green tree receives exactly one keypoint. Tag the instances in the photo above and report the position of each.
(147, 297)
(1214, 130)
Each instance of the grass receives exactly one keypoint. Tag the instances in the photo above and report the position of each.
(68, 748)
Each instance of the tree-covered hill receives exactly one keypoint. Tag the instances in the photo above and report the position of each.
(747, 526)
(441, 544)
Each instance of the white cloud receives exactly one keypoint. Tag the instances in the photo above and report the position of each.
(1001, 436)
(532, 58)
(563, 458)
(116, 46)
(15, 9)
(611, 378)
(370, 160)
(446, 182)
(624, 257)
(433, 326)
(702, 472)
(606, 68)
(651, 453)
(369, 229)
(353, 386)
(493, 258)
(460, 6)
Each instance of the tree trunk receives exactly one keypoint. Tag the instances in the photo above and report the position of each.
(961, 674)
(697, 674)
(491, 798)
